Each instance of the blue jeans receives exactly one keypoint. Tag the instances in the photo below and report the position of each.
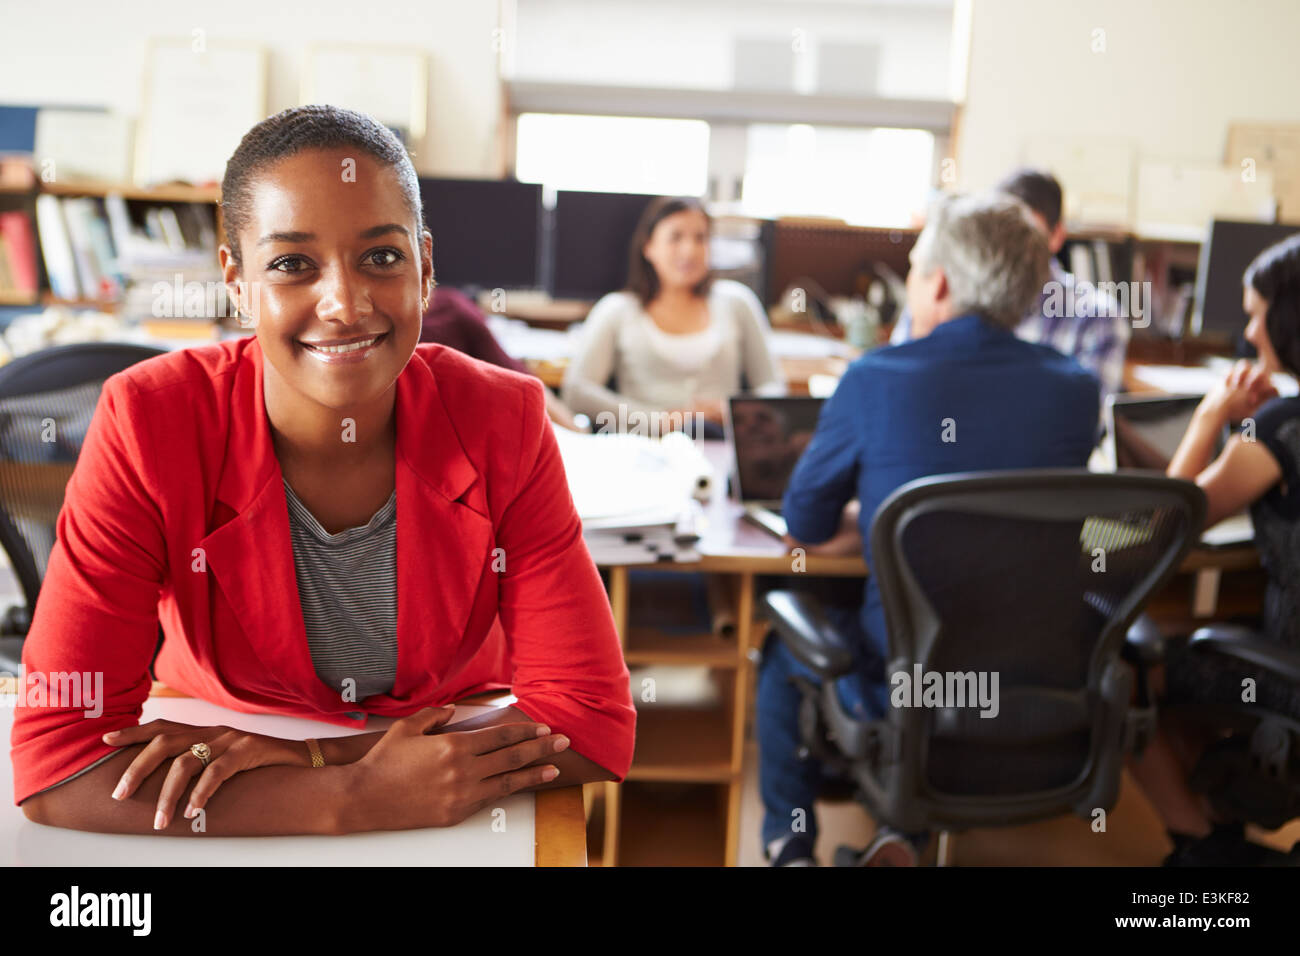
(789, 785)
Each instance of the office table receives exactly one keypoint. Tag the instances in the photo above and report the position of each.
(703, 746)
(544, 828)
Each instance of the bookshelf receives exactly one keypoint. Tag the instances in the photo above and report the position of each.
(92, 262)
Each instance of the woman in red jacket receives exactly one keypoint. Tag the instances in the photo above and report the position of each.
(328, 522)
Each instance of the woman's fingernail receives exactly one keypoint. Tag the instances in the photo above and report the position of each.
(543, 730)
(112, 734)
(550, 773)
(561, 743)
(159, 820)
(189, 811)
(120, 792)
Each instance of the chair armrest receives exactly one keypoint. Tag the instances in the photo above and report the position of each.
(1245, 644)
(1143, 644)
(801, 624)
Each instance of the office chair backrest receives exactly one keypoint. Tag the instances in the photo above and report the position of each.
(47, 400)
(1023, 583)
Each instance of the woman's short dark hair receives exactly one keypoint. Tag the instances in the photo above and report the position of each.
(641, 276)
(308, 127)
(1275, 276)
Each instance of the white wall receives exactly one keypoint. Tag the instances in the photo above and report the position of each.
(1174, 74)
(91, 53)
(689, 43)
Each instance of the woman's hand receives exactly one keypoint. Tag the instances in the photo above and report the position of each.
(1239, 396)
(419, 776)
(232, 752)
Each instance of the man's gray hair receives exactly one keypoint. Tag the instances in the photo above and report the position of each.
(992, 253)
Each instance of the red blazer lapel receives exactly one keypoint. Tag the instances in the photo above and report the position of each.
(444, 541)
(250, 555)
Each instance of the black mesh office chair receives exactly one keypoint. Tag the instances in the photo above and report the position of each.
(47, 400)
(1251, 772)
(1033, 575)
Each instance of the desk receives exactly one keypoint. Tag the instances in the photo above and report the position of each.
(795, 369)
(703, 746)
(556, 821)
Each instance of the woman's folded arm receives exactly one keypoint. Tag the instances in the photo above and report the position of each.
(568, 668)
(261, 802)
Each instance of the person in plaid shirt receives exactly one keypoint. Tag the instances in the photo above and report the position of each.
(1092, 331)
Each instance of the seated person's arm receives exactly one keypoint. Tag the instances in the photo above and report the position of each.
(1244, 470)
(825, 479)
(845, 542)
(568, 669)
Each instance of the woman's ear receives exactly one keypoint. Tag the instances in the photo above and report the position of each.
(427, 281)
(235, 291)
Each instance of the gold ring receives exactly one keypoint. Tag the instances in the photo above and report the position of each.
(203, 752)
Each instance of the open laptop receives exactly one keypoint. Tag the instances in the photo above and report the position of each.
(1143, 432)
(767, 436)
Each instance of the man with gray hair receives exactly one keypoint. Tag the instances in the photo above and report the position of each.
(1079, 319)
(964, 394)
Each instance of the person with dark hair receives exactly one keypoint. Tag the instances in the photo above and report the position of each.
(1087, 326)
(675, 341)
(328, 520)
(1259, 469)
(453, 320)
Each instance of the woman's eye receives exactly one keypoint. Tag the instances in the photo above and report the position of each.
(385, 257)
(287, 264)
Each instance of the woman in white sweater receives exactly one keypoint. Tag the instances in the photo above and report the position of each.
(674, 340)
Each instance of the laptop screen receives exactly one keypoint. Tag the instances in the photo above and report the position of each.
(1144, 433)
(768, 435)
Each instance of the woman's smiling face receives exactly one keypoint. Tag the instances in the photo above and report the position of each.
(335, 271)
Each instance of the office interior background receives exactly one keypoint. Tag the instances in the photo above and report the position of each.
(817, 132)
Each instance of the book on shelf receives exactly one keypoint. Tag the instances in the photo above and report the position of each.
(18, 248)
(56, 247)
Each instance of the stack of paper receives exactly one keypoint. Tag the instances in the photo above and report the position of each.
(636, 495)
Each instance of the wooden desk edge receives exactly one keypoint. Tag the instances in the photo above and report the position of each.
(559, 820)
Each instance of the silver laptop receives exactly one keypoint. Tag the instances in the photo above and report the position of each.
(1143, 432)
(767, 436)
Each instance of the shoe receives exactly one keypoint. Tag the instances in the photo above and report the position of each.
(1226, 845)
(791, 851)
(887, 848)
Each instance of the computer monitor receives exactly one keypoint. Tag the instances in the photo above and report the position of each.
(1225, 254)
(590, 236)
(486, 232)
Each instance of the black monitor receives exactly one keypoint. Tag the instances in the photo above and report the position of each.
(591, 235)
(486, 232)
(1228, 250)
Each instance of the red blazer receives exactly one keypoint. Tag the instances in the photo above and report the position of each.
(176, 513)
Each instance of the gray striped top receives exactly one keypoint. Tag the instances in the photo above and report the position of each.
(347, 586)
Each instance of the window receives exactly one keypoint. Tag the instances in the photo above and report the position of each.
(613, 153)
(875, 177)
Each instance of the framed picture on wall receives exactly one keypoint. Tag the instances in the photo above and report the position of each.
(389, 83)
(200, 97)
